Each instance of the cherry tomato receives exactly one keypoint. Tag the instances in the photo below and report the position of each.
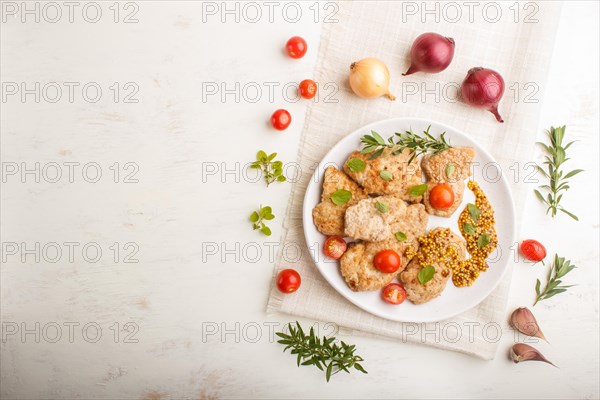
(288, 281)
(296, 47)
(307, 89)
(387, 261)
(441, 196)
(281, 119)
(334, 247)
(533, 250)
(394, 293)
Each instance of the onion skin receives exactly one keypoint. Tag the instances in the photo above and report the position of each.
(483, 88)
(370, 78)
(430, 52)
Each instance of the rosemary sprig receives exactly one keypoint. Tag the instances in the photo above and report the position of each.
(422, 144)
(418, 144)
(325, 355)
(273, 170)
(557, 180)
(560, 268)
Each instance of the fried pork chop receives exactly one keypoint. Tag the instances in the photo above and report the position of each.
(440, 248)
(450, 166)
(358, 270)
(366, 222)
(328, 216)
(403, 174)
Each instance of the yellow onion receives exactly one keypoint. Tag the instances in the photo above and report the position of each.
(370, 78)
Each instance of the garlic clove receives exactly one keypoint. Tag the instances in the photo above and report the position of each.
(523, 321)
(524, 352)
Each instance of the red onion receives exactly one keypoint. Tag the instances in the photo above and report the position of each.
(430, 53)
(483, 88)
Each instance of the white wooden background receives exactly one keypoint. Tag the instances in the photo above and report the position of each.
(196, 321)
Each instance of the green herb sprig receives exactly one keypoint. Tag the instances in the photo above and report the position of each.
(555, 157)
(559, 269)
(418, 144)
(323, 354)
(259, 217)
(272, 170)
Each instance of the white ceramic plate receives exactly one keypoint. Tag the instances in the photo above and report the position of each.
(453, 301)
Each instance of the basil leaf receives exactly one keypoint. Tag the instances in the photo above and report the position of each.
(356, 165)
(417, 190)
(450, 168)
(474, 211)
(265, 229)
(469, 229)
(382, 207)
(483, 240)
(400, 236)
(261, 156)
(386, 175)
(254, 216)
(426, 274)
(266, 211)
(341, 196)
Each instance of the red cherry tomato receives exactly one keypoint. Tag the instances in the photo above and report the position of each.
(334, 247)
(296, 47)
(288, 281)
(441, 196)
(394, 293)
(387, 261)
(281, 119)
(533, 250)
(307, 89)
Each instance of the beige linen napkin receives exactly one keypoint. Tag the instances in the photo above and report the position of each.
(518, 45)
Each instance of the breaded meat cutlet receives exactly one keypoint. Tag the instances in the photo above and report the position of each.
(398, 178)
(358, 270)
(328, 216)
(439, 248)
(436, 166)
(457, 187)
(365, 221)
(451, 166)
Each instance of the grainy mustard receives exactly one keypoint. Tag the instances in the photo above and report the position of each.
(466, 272)
(435, 248)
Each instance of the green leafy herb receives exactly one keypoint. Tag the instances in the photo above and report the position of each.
(474, 212)
(469, 229)
(450, 168)
(418, 144)
(324, 353)
(400, 236)
(555, 157)
(386, 175)
(382, 207)
(417, 190)
(272, 170)
(559, 269)
(356, 164)
(483, 240)
(426, 274)
(341, 196)
(259, 217)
